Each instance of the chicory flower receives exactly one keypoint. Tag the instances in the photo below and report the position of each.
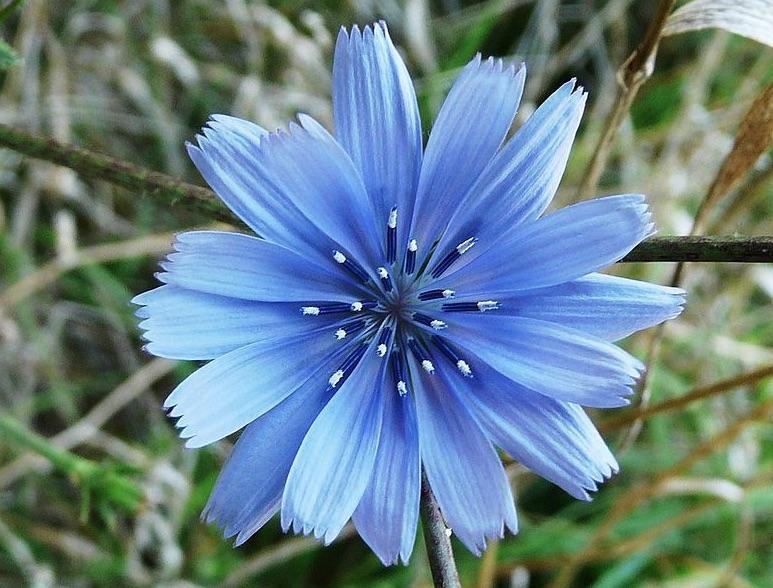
(403, 308)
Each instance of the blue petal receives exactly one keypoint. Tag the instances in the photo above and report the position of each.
(551, 359)
(335, 460)
(470, 127)
(607, 307)
(238, 387)
(555, 439)
(239, 266)
(249, 489)
(296, 188)
(186, 324)
(559, 247)
(522, 179)
(387, 515)
(377, 119)
(462, 467)
(248, 131)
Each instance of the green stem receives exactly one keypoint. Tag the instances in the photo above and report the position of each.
(113, 487)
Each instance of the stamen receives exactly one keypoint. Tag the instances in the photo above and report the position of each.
(466, 245)
(351, 361)
(386, 333)
(452, 256)
(392, 235)
(449, 352)
(485, 305)
(410, 257)
(334, 307)
(436, 294)
(421, 356)
(351, 266)
(358, 305)
(398, 372)
(335, 378)
(429, 321)
(386, 281)
(392, 222)
(464, 367)
(482, 306)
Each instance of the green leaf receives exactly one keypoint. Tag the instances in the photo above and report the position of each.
(9, 8)
(8, 56)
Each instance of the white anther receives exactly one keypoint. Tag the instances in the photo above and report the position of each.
(449, 293)
(437, 325)
(464, 367)
(339, 257)
(402, 389)
(340, 334)
(465, 245)
(427, 365)
(335, 378)
(485, 305)
(382, 273)
(413, 245)
(356, 306)
(381, 350)
(310, 310)
(392, 222)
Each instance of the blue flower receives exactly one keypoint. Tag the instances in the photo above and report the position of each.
(403, 308)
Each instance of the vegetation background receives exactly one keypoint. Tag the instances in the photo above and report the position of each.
(95, 487)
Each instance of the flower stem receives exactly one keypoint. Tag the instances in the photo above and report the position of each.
(437, 540)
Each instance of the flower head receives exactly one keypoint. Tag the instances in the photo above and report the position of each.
(403, 308)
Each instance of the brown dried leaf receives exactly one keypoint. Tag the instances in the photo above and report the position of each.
(750, 18)
(755, 136)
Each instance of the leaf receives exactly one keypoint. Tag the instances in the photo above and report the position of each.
(8, 56)
(749, 18)
(755, 137)
(9, 9)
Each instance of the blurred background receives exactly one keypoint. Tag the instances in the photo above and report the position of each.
(109, 497)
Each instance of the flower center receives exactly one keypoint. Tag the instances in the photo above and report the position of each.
(401, 317)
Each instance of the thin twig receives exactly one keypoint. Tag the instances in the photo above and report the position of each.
(698, 248)
(437, 540)
(51, 271)
(697, 394)
(632, 74)
(99, 166)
